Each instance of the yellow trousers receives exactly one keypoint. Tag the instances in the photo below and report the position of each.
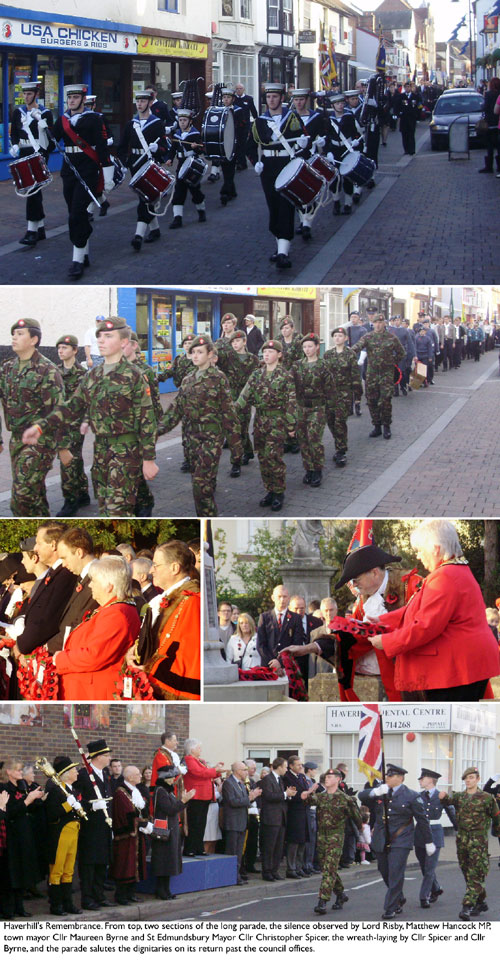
(62, 870)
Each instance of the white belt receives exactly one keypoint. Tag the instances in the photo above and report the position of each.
(137, 150)
(274, 153)
(435, 822)
(73, 150)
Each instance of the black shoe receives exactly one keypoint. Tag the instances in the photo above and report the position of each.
(267, 500)
(103, 902)
(465, 912)
(321, 907)
(68, 509)
(376, 431)
(340, 458)
(185, 466)
(277, 502)
(433, 897)
(370, 185)
(41, 234)
(404, 392)
(104, 209)
(247, 457)
(177, 222)
(336, 207)
(306, 234)
(283, 262)
(136, 242)
(291, 874)
(357, 408)
(388, 916)
(316, 479)
(82, 501)
(268, 877)
(425, 904)
(347, 210)
(339, 903)
(29, 239)
(202, 217)
(307, 478)
(480, 907)
(76, 270)
(387, 431)
(86, 261)
(356, 198)
(274, 257)
(235, 470)
(224, 199)
(90, 905)
(153, 236)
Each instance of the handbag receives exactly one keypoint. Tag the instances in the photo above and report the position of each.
(482, 126)
(161, 829)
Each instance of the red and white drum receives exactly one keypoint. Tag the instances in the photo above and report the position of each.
(299, 183)
(322, 166)
(30, 174)
(152, 182)
(193, 170)
(358, 168)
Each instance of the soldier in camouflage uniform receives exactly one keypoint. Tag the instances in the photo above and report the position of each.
(30, 387)
(222, 346)
(145, 501)
(240, 365)
(272, 392)
(205, 405)
(291, 343)
(475, 811)
(313, 388)
(333, 809)
(115, 400)
(384, 351)
(74, 484)
(347, 384)
(177, 370)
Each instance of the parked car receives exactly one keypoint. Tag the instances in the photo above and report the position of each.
(453, 104)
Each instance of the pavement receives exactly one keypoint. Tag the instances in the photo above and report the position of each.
(425, 219)
(442, 460)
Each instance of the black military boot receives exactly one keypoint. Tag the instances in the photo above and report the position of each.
(480, 907)
(235, 470)
(357, 408)
(69, 508)
(177, 222)
(153, 235)
(307, 478)
(316, 479)
(387, 431)
(29, 239)
(267, 500)
(340, 458)
(136, 242)
(55, 901)
(76, 270)
(104, 209)
(202, 217)
(465, 912)
(185, 466)
(339, 903)
(67, 900)
(306, 233)
(376, 431)
(41, 234)
(248, 456)
(321, 907)
(488, 166)
(83, 500)
(277, 502)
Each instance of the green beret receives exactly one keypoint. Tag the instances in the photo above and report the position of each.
(471, 771)
(287, 320)
(133, 336)
(68, 339)
(228, 317)
(200, 341)
(237, 334)
(310, 337)
(187, 337)
(275, 345)
(112, 323)
(26, 323)
(339, 331)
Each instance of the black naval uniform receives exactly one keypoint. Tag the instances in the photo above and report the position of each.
(275, 158)
(18, 135)
(336, 147)
(180, 148)
(88, 126)
(95, 839)
(243, 125)
(131, 151)
(433, 808)
(408, 109)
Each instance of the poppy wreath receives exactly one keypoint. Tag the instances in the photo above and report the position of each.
(30, 687)
(295, 681)
(360, 630)
(142, 690)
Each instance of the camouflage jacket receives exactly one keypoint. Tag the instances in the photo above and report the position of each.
(313, 383)
(346, 374)
(223, 350)
(292, 352)
(332, 812)
(238, 370)
(383, 350)
(153, 385)
(30, 393)
(273, 396)
(475, 812)
(205, 405)
(71, 377)
(114, 404)
(180, 367)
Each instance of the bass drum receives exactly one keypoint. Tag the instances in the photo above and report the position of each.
(299, 183)
(193, 171)
(218, 132)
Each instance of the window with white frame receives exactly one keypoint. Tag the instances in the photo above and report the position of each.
(288, 15)
(227, 8)
(246, 9)
(344, 748)
(273, 14)
(240, 69)
(169, 6)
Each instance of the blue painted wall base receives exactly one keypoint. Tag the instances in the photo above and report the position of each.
(197, 875)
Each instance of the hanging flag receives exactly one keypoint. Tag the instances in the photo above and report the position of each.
(370, 742)
(362, 535)
(457, 28)
(324, 60)
(348, 294)
(463, 49)
(380, 62)
(333, 60)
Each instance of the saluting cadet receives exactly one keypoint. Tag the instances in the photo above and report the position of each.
(63, 818)
(143, 139)
(384, 351)
(397, 809)
(333, 809)
(312, 125)
(29, 130)
(271, 391)
(90, 172)
(313, 386)
(186, 142)
(433, 808)
(476, 811)
(346, 385)
(74, 483)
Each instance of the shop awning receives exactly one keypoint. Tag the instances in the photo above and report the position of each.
(360, 66)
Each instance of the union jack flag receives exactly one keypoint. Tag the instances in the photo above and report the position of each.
(370, 742)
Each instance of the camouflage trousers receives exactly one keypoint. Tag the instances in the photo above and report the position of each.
(145, 500)
(329, 853)
(379, 392)
(204, 457)
(269, 440)
(30, 466)
(73, 478)
(472, 852)
(116, 474)
(310, 428)
(245, 437)
(336, 420)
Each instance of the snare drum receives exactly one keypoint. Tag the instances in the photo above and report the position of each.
(323, 167)
(30, 174)
(152, 182)
(299, 183)
(358, 168)
(218, 132)
(193, 170)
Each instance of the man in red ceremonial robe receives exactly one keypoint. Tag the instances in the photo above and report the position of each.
(130, 827)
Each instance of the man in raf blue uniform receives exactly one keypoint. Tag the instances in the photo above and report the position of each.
(392, 839)
(433, 808)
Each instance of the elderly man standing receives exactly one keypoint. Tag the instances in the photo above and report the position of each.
(130, 825)
(236, 802)
(384, 351)
(278, 629)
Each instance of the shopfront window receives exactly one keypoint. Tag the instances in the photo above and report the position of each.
(161, 325)
(344, 748)
(142, 320)
(48, 74)
(106, 83)
(263, 318)
(73, 70)
(240, 70)
(20, 71)
(164, 79)
(141, 75)
(205, 323)
(184, 316)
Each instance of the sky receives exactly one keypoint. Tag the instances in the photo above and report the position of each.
(446, 15)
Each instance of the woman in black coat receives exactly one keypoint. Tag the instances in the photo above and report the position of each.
(166, 857)
(491, 136)
(23, 867)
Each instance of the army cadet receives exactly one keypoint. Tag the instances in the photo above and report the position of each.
(238, 373)
(292, 352)
(205, 405)
(333, 809)
(433, 808)
(347, 385)
(313, 386)
(29, 131)
(145, 501)
(74, 483)
(222, 347)
(186, 143)
(177, 370)
(271, 390)
(143, 140)
(30, 387)
(384, 351)
(64, 812)
(116, 400)
(476, 810)
(397, 808)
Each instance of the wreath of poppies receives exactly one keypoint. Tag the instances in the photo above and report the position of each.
(142, 690)
(28, 673)
(296, 684)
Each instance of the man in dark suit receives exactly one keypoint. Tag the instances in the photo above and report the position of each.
(236, 801)
(159, 108)
(76, 551)
(278, 628)
(248, 108)
(255, 338)
(309, 623)
(43, 612)
(273, 818)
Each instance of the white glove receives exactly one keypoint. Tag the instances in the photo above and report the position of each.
(36, 114)
(98, 804)
(356, 143)
(259, 167)
(153, 148)
(42, 123)
(430, 849)
(147, 829)
(320, 141)
(303, 140)
(108, 178)
(330, 158)
(496, 777)
(72, 801)
(14, 150)
(381, 790)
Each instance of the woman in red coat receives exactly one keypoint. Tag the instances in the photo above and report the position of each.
(443, 646)
(198, 777)
(93, 653)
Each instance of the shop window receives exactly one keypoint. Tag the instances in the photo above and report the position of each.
(205, 318)
(20, 71)
(141, 75)
(48, 74)
(169, 6)
(142, 320)
(161, 323)
(240, 70)
(184, 316)
(73, 70)
(164, 78)
(261, 312)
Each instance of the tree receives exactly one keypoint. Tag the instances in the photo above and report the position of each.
(107, 533)
(260, 576)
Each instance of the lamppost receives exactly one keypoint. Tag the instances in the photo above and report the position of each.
(472, 45)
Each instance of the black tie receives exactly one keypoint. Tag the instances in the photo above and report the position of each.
(280, 621)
